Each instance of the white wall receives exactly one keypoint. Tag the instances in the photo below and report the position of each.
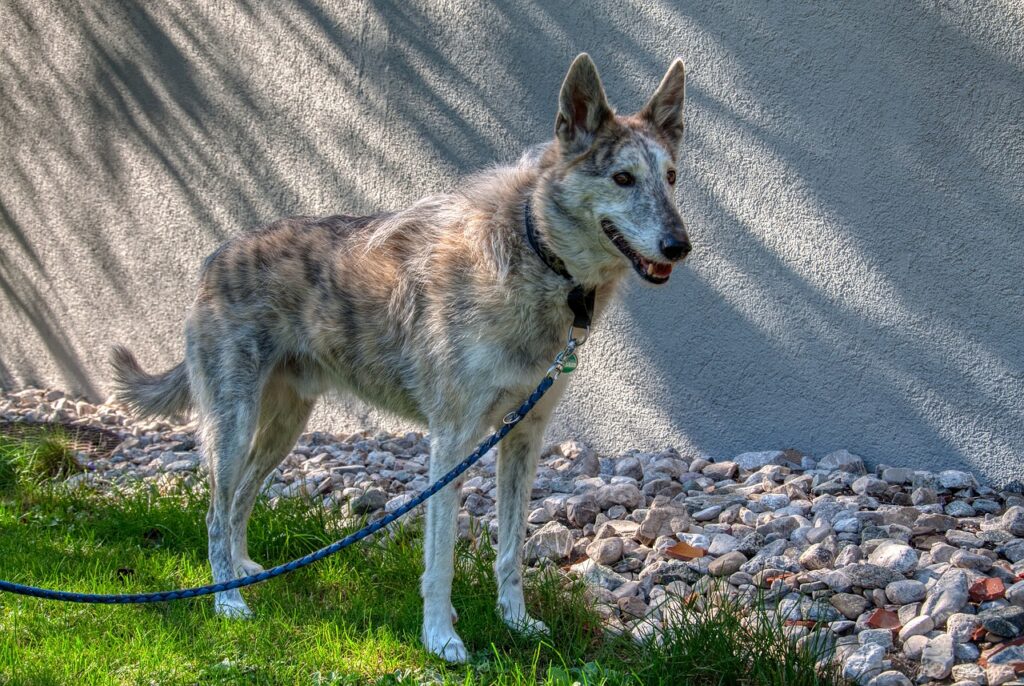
(853, 178)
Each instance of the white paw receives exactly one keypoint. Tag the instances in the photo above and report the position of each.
(446, 645)
(513, 612)
(527, 625)
(246, 567)
(455, 615)
(234, 608)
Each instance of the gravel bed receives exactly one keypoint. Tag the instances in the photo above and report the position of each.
(902, 576)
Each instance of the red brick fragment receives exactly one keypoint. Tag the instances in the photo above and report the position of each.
(984, 590)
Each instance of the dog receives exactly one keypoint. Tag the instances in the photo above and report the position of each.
(445, 313)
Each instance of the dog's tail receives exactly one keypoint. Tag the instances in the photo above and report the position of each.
(150, 395)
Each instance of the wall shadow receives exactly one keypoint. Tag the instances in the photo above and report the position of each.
(853, 178)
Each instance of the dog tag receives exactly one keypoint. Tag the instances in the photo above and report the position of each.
(570, 364)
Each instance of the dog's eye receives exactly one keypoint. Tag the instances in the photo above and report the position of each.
(624, 179)
(671, 177)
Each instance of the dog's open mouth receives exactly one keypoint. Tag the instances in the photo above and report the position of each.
(655, 272)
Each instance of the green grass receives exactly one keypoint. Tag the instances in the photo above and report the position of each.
(30, 461)
(351, 619)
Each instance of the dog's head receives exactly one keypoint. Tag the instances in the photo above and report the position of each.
(614, 177)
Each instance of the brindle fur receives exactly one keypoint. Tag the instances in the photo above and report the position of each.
(441, 313)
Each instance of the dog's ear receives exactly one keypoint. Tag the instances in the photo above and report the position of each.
(582, 106)
(665, 108)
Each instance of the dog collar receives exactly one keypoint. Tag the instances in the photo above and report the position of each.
(579, 301)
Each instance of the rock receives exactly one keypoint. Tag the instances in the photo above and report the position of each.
(869, 485)
(864, 664)
(781, 526)
(897, 475)
(937, 657)
(905, 591)
(914, 646)
(186, 465)
(398, 501)
(581, 510)
(948, 595)
(997, 675)
(584, 460)
(881, 637)
(817, 556)
(968, 560)
(891, 678)
(849, 604)
(632, 606)
(598, 575)
(722, 544)
(371, 500)
(1006, 655)
(956, 480)
(844, 461)
(626, 495)
(1007, 622)
(536, 516)
(918, 626)
(774, 501)
(754, 461)
(727, 564)
(708, 513)
(667, 520)
(553, 541)
(896, 557)
(630, 467)
(1012, 521)
(1015, 594)
(870, 576)
(605, 551)
(663, 572)
(958, 508)
(719, 471)
(961, 625)
(969, 672)
(924, 496)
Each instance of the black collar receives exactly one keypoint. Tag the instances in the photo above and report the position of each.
(579, 301)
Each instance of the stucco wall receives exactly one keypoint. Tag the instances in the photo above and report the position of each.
(852, 176)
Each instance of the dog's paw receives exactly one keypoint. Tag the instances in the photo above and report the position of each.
(526, 625)
(446, 645)
(232, 608)
(246, 567)
(455, 615)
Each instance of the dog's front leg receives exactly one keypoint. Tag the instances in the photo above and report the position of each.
(517, 466)
(447, 447)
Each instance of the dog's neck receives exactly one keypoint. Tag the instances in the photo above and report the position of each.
(579, 300)
(554, 229)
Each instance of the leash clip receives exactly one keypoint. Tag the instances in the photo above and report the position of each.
(565, 361)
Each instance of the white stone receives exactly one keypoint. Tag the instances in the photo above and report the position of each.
(898, 557)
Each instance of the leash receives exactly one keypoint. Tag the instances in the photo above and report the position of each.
(565, 362)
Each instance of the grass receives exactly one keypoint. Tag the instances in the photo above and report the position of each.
(351, 619)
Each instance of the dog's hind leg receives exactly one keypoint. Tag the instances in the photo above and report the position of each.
(227, 380)
(447, 447)
(282, 418)
(517, 465)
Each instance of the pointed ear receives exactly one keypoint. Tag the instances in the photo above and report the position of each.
(582, 107)
(665, 108)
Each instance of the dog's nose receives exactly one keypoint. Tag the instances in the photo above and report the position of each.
(675, 248)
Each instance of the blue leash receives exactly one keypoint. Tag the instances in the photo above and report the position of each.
(565, 359)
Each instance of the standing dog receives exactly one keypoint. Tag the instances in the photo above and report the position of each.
(446, 313)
